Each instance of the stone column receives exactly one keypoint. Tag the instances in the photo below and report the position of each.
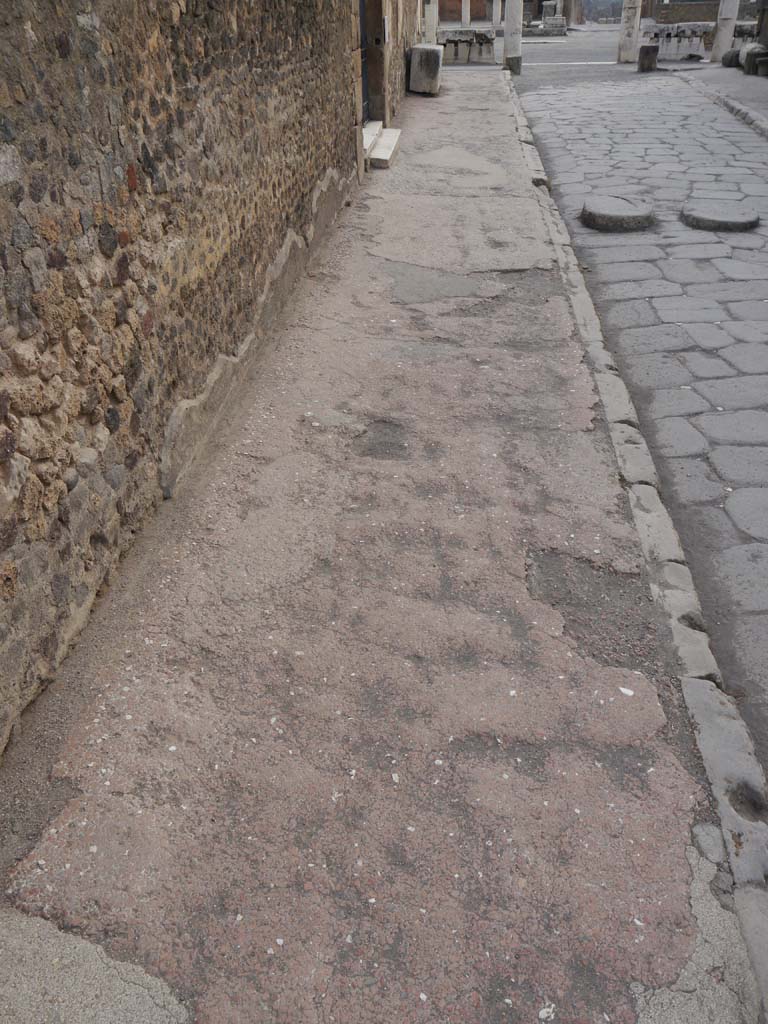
(629, 36)
(431, 22)
(497, 12)
(727, 14)
(465, 15)
(513, 36)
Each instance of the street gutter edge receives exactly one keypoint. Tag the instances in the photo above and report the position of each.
(723, 739)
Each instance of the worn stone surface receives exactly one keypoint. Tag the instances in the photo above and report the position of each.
(748, 508)
(400, 739)
(157, 158)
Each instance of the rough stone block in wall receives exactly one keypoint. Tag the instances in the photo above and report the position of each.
(155, 155)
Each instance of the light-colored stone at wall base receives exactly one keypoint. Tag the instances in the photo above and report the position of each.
(47, 975)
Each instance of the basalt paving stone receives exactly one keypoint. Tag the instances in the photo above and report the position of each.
(676, 437)
(730, 291)
(741, 464)
(749, 358)
(590, 240)
(626, 254)
(681, 401)
(693, 481)
(653, 288)
(744, 570)
(705, 251)
(685, 271)
(707, 365)
(748, 508)
(737, 392)
(637, 312)
(663, 338)
(744, 330)
(709, 336)
(612, 272)
(656, 370)
(749, 310)
(748, 426)
(740, 270)
(750, 640)
(756, 255)
(738, 240)
(688, 310)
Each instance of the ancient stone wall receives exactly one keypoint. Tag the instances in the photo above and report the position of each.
(404, 15)
(164, 165)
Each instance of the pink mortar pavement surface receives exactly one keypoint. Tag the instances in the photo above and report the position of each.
(378, 723)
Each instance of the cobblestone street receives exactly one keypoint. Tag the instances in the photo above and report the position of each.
(686, 314)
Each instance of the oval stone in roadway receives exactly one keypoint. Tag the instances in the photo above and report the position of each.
(713, 215)
(612, 213)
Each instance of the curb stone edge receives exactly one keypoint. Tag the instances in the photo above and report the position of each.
(722, 737)
(760, 124)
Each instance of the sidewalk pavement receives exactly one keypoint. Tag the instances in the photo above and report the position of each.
(378, 722)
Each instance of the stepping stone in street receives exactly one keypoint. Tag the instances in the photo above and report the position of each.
(612, 213)
(714, 215)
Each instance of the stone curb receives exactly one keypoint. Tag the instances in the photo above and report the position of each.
(724, 742)
(530, 152)
(760, 124)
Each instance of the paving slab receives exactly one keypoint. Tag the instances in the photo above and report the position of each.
(664, 338)
(742, 270)
(676, 436)
(709, 336)
(743, 569)
(680, 401)
(749, 310)
(688, 310)
(741, 464)
(748, 508)
(694, 481)
(740, 393)
(689, 271)
(747, 426)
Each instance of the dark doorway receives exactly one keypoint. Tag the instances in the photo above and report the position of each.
(364, 63)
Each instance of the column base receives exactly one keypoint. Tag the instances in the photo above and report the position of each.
(514, 65)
